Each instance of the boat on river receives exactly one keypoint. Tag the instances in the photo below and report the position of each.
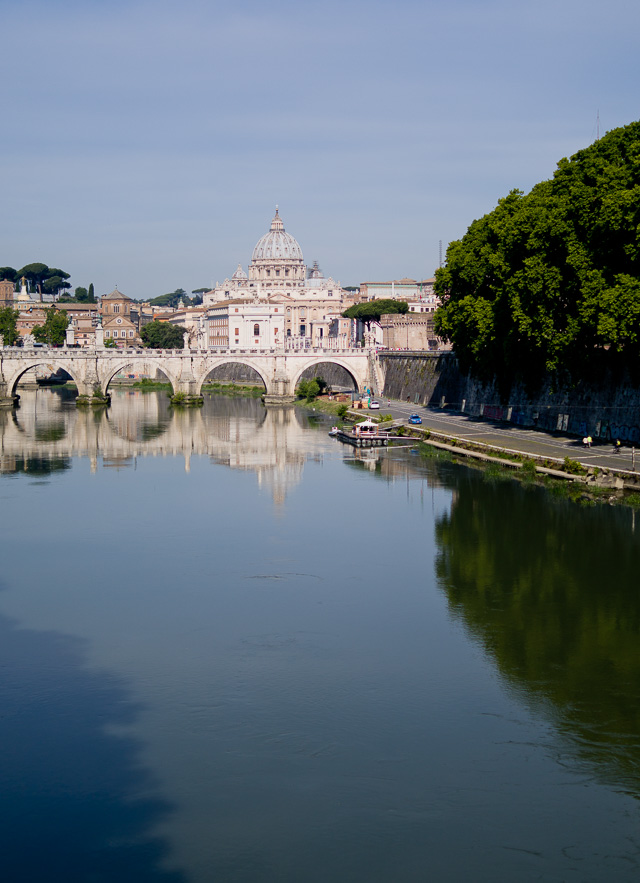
(366, 434)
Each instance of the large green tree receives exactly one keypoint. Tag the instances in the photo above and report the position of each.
(54, 328)
(549, 281)
(44, 278)
(7, 273)
(372, 310)
(55, 284)
(172, 299)
(162, 335)
(8, 325)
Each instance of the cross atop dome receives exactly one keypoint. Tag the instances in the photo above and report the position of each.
(277, 224)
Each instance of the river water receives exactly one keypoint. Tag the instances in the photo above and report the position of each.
(232, 649)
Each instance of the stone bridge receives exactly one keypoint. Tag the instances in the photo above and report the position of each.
(92, 370)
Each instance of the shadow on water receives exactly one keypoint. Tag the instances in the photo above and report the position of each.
(70, 803)
(549, 590)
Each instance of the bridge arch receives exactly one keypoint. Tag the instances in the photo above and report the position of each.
(359, 382)
(115, 367)
(212, 364)
(36, 362)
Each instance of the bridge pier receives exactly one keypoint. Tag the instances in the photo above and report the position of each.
(91, 394)
(185, 393)
(7, 402)
(278, 392)
(276, 399)
(7, 399)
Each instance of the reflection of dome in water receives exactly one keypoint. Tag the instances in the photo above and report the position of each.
(277, 244)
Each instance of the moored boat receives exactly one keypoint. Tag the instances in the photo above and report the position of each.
(366, 434)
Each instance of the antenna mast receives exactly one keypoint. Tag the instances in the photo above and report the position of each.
(441, 253)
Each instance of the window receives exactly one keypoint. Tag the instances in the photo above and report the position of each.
(277, 272)
(256, 330)
(268, 272)
(237, 332)
(116, 308)
(286, 272)
(131, 334)
(303, 330)
(276, 310)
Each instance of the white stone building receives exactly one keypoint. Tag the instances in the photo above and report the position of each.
(278, 300)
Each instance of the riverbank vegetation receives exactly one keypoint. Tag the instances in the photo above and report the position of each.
(525, 469)
(549, 282)
(227, 388)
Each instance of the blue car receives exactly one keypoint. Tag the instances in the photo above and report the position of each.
(415, 419)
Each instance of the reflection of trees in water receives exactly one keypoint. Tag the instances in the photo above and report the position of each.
(68, 787)
(550, 590)
(51, 432)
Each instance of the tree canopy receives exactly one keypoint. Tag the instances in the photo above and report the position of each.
(8, 273)
(43, 278)
(162, 335)
(172, 299)
(54, 328)
(371, 310)
(549, 281)
(8, 325)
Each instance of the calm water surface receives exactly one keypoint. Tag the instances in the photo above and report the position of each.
(232, 649)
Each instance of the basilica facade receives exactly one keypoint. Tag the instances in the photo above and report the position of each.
(278, 300)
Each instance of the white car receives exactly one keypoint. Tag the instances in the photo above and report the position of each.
(374, 406)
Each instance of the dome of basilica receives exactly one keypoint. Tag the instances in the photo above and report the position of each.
(277, 245)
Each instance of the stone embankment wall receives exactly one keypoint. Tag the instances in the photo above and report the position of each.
(608, 410)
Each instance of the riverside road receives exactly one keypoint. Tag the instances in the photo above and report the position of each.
(516, 438)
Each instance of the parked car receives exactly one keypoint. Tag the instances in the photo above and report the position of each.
(415, 418)
(374, 406)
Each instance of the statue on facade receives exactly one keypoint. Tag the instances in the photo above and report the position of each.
(202, 334)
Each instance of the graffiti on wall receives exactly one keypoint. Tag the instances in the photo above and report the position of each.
(494, 412)
(552, 421)
(612, 430)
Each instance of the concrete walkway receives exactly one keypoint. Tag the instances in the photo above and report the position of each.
(516, 438)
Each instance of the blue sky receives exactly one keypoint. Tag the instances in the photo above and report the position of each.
(146, 143)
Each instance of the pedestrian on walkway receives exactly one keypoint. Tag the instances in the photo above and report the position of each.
(618, 445)
(585, 442)
(589, 440)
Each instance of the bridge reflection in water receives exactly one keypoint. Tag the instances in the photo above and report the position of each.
(240, 433)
